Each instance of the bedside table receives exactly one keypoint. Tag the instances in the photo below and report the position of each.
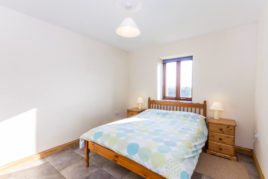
(221, 139)
(134, 111)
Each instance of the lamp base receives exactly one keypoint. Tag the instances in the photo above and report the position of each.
(139, 106)
(216, 115)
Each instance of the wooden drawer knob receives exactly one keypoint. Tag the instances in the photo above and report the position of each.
(221, 129)
(220, 139)
(220, 149)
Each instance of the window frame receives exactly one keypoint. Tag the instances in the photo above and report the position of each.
(178, 79)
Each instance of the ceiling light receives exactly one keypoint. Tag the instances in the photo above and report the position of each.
(128, 28)
(130, 5)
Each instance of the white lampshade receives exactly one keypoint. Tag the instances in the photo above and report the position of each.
(216, 106)
(128, 28)
(140, 100)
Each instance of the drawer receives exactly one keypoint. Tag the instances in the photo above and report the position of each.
(131, 113)
(223, 129)
(221, 148)
(221, 138)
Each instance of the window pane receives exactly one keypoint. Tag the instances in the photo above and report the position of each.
(171, 79)
(186, 79)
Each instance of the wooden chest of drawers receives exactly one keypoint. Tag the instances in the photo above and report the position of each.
(134, 111)
(221, 139)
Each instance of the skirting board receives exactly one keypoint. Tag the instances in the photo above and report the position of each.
(257, 164)
(39, 155)
(243, 150)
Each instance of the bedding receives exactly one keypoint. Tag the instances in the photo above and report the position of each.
(166, 142)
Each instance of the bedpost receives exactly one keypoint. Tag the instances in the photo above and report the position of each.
(205, 108)
(86, 154)
(149, 103)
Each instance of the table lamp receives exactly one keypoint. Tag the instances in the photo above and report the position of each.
(140, 102)
(216, 107)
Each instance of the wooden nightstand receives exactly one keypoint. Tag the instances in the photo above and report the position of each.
(221, 140)
(134, 111)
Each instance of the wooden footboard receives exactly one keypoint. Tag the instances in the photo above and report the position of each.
(120, 160)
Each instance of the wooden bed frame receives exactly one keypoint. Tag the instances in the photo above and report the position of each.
(199, 108)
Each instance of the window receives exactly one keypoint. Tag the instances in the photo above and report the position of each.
(177, 78)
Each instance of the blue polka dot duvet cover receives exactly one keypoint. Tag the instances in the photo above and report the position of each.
(166, 142)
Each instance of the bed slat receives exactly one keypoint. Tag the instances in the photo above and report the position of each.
(198, 108)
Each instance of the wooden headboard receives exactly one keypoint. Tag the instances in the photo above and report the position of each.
(199, 108)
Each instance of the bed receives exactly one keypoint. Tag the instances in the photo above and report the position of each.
(164, 141)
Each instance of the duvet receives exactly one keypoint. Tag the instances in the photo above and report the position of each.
(166, 142)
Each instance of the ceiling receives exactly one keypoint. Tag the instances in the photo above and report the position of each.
(160, 21)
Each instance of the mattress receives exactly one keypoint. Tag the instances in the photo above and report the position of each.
(166, 142)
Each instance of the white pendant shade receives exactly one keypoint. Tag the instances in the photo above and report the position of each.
(128, 28)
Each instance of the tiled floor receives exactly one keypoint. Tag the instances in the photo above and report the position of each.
(250, 166)
(70, 164)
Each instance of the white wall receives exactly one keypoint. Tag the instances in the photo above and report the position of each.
(223, 70)
(54, 85)
(54, 82)
(261, 144)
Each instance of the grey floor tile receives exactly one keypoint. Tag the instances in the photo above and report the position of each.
(64, 159)
(44, 171)
(79, 151)
(78, 171)
(248, 162)
(70, 164)
(100, 174)
(252, 171)
(131, 175)
(99, 161)
(94, 159)
(115, 170)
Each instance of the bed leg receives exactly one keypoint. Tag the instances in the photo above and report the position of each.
(86, 154)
